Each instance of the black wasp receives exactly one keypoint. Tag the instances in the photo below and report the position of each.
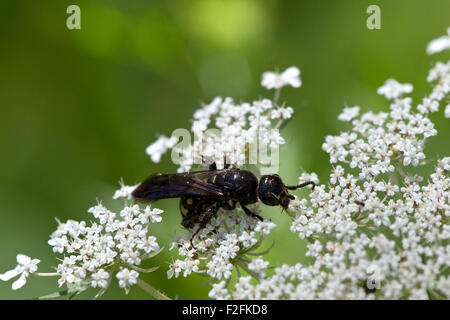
(203, 193)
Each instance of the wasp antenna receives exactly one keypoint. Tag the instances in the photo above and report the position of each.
(302, 185)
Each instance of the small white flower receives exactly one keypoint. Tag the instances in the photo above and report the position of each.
(447, 111)
(439, 44)
(58, 244)
(25, 267)
(175, 269)
(124, 192)
(100, 279)
(273, 80)
(258, 265)
(305, 177)
(265, 226)
(159, 147)
(392, 89)
(349, 114)
(336, 174)
(127, 277)
(282, 113)
(150, 245)
(130, 212)
(218, 291)
(151, 215)
(247, 239)
(428, 106)
(66, 277)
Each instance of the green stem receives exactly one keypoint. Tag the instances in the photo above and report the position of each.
(152, 291)
(276, 96)
(49, 274)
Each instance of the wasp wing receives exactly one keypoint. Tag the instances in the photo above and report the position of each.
(162, 186)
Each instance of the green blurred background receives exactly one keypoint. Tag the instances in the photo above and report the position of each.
(78, 108)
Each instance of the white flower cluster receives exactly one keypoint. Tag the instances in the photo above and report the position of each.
(124, 191)
(374, 231)
(92, 254)
(159, 147)
(388, 136)
(224, 128)
(439, 44)
(274, 80)
(439, 76)
(227, 243)
(393, 89)
(113, 245)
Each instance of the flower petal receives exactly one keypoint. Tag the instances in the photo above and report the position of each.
(291, 76)
(9, 274)
(291, 72)
(19, 283)
(23, 259)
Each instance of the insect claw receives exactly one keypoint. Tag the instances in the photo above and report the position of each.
(193, 236)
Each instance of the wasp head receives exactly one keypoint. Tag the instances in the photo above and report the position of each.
(273, 192)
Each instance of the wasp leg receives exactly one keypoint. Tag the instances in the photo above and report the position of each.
(225, 164)
(210, 161)
(211, 211)
(228, 204)
(249, 213)
(189, 221)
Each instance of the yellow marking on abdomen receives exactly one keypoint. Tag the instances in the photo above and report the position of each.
(183, 210)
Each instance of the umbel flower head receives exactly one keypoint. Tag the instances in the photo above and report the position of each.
(224, 128)
(113, 244)
(92, 254)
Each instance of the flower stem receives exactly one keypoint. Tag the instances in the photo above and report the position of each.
(276, 96)
(244, 266)
(152, 291)
(47, 274)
